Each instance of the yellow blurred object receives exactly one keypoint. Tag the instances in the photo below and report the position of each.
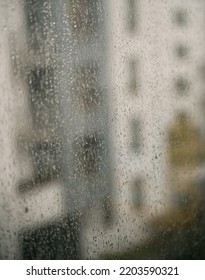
(183, 163)
(183, 141)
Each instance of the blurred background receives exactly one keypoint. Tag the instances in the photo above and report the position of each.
(102, 132)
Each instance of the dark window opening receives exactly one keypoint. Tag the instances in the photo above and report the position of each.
(181, 51)
(47, 161)
(136, 136)
(90, 150)
(182, 86)
(137, 193)
(180, 17)
(132, 75)
(84, 17)
(131, 15)
(43, 98)
(38, 21)
(56, 241)
(87, 82)
(107, 211)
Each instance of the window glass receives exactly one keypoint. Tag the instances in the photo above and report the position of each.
(180, 17)
(136, 134)
(102, 133)
(132, 72)
(131, 15)
(88, 84)
(182, 86)
(38, 23)
(181, 51)
(137, 193)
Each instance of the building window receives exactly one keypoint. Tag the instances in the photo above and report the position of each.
(84, 17)
(137, 193)
(131, 15)
(136, 135)
(42, 96)
(47, 161)
(180, 17)
(181, 86)
(181, 51)
(132, 75)
(39, 23)
(52, 241)
(89, 151)
(87, 81)
(107, 211)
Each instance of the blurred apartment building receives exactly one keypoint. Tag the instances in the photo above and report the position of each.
(88, 90)
(156, 60)
(56, 146)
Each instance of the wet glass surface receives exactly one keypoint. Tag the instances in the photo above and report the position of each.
(102, 135)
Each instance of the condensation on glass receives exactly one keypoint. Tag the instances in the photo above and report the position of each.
(102, 129)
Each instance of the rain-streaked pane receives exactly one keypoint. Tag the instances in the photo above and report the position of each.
(102, 131)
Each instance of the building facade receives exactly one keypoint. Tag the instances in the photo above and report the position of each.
(156, 51)
(88, 91)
